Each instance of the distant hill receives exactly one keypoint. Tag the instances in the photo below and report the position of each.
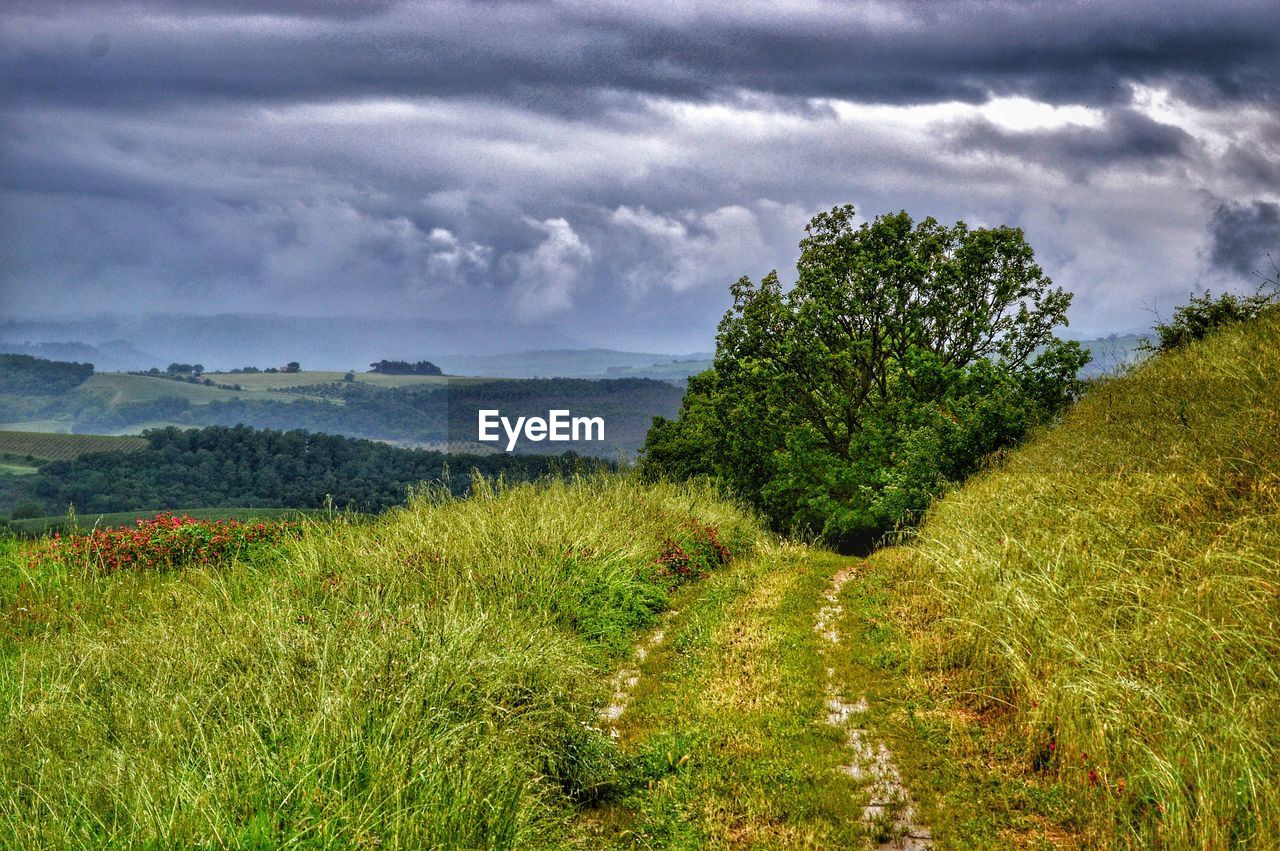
(405, 410)
(245, 467)
(567, 363)
(230, 340)
(676, 371)
(111, 356)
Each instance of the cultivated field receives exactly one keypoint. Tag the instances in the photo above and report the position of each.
(52, 446)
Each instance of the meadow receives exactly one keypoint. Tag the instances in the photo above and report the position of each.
(1077, 647)
(428, 680)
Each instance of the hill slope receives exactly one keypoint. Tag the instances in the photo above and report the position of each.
(1097, 616)
(430, 679)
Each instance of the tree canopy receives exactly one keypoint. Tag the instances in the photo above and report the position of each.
(905, 354)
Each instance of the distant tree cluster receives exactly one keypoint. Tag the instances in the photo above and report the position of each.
(188, 373)
(244, 467)
(291, 366)
(26, 375)
(185, 369)
(400, 367)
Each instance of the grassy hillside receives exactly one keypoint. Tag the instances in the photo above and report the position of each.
(47, 446)
(117, 388)
(46, 426)
(1094, 621)
(430, 679)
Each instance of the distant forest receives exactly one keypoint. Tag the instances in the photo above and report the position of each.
(241, 466)
(27, 375)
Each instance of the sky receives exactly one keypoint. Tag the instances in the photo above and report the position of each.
(605, 169)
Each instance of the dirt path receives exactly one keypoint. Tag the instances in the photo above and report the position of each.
(735, 730)
(889, 808)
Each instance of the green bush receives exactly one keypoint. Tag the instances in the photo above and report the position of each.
(1204, 314)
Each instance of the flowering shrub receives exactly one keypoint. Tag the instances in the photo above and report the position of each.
(693, 552)
(163, 542)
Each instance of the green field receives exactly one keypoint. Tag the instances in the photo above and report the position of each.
(41, 525)
(9, 468)
(117, 388)
(288, 380)
(431, 679)
(52, 446)
(55, 426)
(1078, 648)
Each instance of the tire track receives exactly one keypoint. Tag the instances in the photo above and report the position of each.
(889, 807)
(626, 680)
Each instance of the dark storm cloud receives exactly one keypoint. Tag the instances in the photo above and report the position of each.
(1244, 235)
(548, 53)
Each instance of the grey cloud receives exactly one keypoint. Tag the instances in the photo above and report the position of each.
(344, 10)
(1125, 136)
(1255, 163)
(1243, 234)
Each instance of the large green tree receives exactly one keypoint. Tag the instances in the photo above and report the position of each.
(905, 354)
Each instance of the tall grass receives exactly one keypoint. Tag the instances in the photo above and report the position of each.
(427, 680)
(1116, 582)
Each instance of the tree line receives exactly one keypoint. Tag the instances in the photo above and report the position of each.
(240, 466)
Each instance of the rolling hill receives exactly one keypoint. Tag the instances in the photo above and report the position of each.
(438, 412)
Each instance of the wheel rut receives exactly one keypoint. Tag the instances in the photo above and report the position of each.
(626, 680)
(889, 810)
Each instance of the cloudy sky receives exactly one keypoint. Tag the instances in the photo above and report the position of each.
(607, 168)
